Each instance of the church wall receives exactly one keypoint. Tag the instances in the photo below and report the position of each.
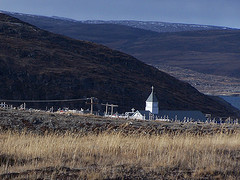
(152, 107)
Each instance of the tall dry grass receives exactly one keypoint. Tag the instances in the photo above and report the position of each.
(199, 154)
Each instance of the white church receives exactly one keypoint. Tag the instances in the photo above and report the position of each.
(152, 112)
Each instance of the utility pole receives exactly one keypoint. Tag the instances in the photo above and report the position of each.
(106, 108)
(109, 105)
(112, 106)
(91, 103)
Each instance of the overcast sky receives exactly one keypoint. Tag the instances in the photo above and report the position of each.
(209, 12)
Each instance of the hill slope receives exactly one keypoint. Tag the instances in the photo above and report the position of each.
(36, 64)
(209, 51)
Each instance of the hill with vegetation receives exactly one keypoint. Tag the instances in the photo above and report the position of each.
(211, 50)
(36, 64)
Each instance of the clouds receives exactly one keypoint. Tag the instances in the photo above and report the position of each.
(215, 12)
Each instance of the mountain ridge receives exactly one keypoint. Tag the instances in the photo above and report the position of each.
(155, 26)
(36, 64)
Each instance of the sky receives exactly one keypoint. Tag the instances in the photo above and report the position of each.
(207, 12)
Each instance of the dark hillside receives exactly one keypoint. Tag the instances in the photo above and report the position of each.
(36, 64)
(208, 51)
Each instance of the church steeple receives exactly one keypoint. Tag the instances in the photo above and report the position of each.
(152, 103)
(152, 97)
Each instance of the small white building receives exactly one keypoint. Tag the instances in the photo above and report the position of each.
(143, 115)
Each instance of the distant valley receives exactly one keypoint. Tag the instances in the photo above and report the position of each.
(205, 83)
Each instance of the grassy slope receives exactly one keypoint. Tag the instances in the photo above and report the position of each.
(215, 52)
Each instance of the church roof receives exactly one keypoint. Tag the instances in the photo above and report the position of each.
(152, 97)
(143, 113)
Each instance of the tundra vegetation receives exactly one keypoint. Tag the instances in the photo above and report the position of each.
(110, 155)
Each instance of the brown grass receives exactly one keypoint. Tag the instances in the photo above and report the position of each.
(201, 156)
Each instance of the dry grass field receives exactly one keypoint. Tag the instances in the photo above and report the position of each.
(40, 145)
(118, 156)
